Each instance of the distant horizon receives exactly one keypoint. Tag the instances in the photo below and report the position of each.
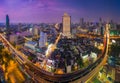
(88, 20)
(46, 11)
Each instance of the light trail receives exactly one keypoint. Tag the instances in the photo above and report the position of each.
(51, 48)
(55, 77)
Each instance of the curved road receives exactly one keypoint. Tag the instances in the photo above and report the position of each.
(44, 76)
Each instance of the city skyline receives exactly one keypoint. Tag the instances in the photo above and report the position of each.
(47, 11)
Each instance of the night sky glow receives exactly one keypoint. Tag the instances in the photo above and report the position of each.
(52, 10)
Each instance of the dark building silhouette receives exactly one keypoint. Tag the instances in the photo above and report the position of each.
(102, 31)
(7, 22)
(100, 22)
(8, 30)
(81, 22)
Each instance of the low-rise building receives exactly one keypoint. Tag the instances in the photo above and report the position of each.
(16, 39)
(30, 44)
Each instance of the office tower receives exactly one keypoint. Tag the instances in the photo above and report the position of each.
(102, 31)
(35, 31)
(43, 39)
(66, 19)
(57, 27)
(7, 28)
(112, 25)
(19, 27)
(7, 22)
(81, 22)
(100, 22)
(16, 39)
(108, 26)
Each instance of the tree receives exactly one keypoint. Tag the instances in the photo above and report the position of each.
(80, 62)
(115, 50)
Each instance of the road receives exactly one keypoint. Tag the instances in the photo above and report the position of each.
(39, 74)
(91, 74)
(96, 36)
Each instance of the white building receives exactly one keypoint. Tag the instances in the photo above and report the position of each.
(50, 65)
(43, 39)
(30, 44)
(69, 69)
(57, 26)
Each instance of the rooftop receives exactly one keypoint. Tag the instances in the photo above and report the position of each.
(31, 42)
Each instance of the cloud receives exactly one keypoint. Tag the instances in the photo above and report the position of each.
(52, 10)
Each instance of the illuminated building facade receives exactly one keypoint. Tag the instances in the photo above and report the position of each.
(43, 39)
(66, 24)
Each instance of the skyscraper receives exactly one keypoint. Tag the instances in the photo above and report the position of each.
(81, 22)
(100, 22)
(19, 27)
(7, 22)
(102, 31)
(43, 39)
(107, 27)
(66, 19)
(35, 31)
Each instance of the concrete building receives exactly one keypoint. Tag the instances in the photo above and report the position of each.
(43, 39)
(19, 38)
(100, 22)
(102, 31)
(35, 31)
(69, 69)
(81, 22)
(50, 65)
(57, 26)
(12, 38)
(7, 22)
(66, 19)
(30, 44)
(16, 39)
(19, 27)
(108, 27)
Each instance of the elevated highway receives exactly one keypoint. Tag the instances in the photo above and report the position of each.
(96, 36)
(41, 75)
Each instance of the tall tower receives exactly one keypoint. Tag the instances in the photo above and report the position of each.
(43, 39)
(107, 27)
(100, 22)
(81, 21)
(7, 22)
(35, 31)
(102, 31)
(66, 19)
(19, 27)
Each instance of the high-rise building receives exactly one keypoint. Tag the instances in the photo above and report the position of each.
(43, 39)
(66, 19)
(35, 31)
(7, 22)
(81, 22)
(100, 22)
(19, 27)
(57, 26)
(102, 31)
(108, 26)
(113, 25)
(16, 39)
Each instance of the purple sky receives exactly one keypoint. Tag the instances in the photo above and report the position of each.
(52, 10)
